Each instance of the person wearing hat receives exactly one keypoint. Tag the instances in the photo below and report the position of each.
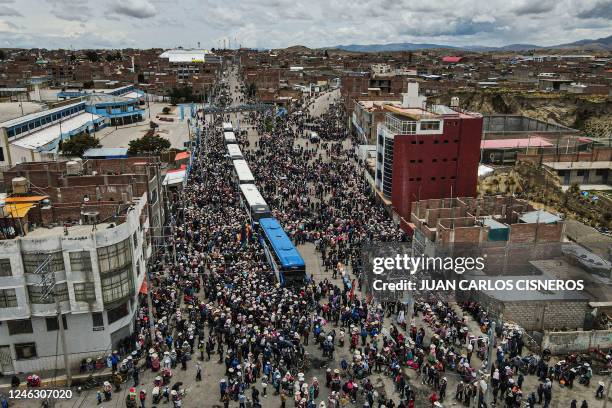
(130, 399)
(599, 393)
(142, 397)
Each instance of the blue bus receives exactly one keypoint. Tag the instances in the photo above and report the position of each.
(284, 258)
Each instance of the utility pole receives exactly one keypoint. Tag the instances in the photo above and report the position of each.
(490, 358)
(47, 281)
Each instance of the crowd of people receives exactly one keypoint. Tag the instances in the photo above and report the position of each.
(215, 300)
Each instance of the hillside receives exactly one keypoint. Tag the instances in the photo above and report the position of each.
(591, 114)
(599, 44)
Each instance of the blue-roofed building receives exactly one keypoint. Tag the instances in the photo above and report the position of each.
(128, 91)
(119, 110)
(36, 136)
(283, 256)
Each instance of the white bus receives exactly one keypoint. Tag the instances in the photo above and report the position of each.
(253, 202)
(233, 150)
(242, 172)
(230, 138)
(228, 127)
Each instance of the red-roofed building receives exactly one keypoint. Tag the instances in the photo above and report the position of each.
(451, 60)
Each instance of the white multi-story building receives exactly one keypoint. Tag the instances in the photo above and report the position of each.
(98, 269)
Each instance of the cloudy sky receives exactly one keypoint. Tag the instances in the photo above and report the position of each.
(281, 23)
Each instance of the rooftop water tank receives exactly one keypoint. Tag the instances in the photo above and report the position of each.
(21, 185)
(73, 167)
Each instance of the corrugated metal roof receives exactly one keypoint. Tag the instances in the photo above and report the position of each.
(106, 151)
(36, 115)
(539, 216)
(514, 143)
(25, 199)
(181, 156)
(18, 210)
(51, 133)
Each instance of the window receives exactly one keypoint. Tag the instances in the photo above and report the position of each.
(434, 160)
(1, 154)
(117, 286)
(433, 178)
(52, 323)
(421, 142)
(5, 267)
(20, 326)
(97, 319)
(153, 197)
(430, 125)
(436, 141)
(25, 350)
(84, 292)
(580, 173)
(8, 298)
(114, 257)
(31, 261)
(446, 141)
(80, 261)
(117, 313)
(37, 293)
(135, 238)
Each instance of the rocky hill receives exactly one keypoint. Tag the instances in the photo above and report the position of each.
(589, 113)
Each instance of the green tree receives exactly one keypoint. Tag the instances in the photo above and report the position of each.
(148, 144)
(2, 55)
(78, 145)
(92, 56)
(182, 94)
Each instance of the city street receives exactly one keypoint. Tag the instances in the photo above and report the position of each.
(205, 393)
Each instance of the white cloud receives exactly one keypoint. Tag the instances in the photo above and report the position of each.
(8, 27)
(7, 11)
(314, 23)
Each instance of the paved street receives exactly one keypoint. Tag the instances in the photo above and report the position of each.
(205, 393)
(176, 131)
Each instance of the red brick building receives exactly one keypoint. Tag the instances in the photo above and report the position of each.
(426, 153)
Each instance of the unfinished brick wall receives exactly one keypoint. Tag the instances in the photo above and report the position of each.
(547, 315)
(535, 315)
(523, 232)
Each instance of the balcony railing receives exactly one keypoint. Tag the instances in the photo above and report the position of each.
(400, 127)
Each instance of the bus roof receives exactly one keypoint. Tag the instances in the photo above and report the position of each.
(252, 195)
(234, 151)
(243, 171)
(282, 245)
(228, 126)
(229, 137)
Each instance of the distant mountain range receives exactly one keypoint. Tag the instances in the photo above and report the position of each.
(596, 45)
